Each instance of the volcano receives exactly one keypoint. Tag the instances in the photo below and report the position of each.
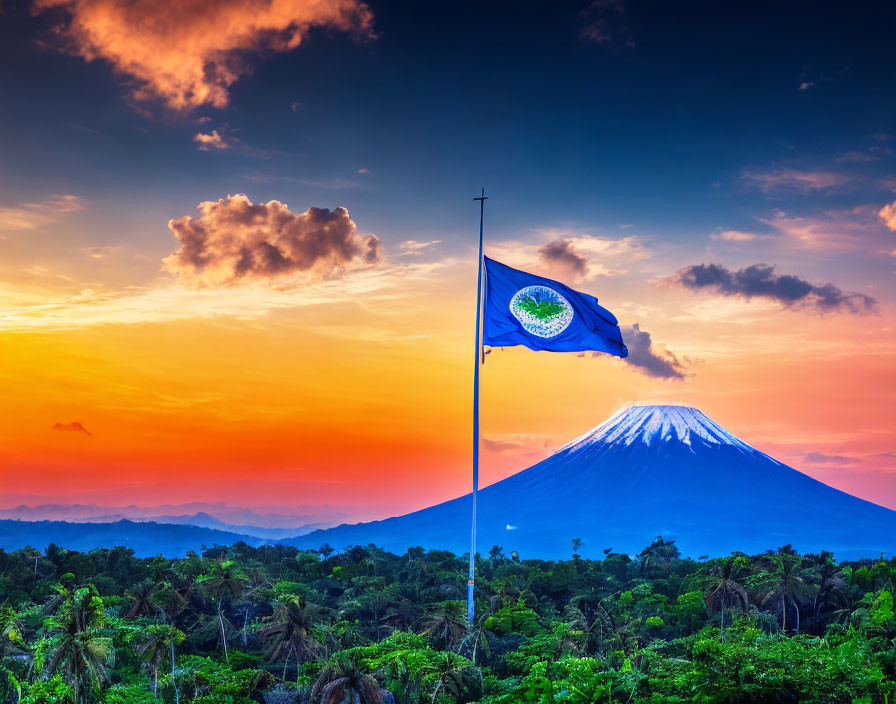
(647, 471)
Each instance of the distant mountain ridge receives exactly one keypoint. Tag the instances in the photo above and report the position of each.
(646, 471)
(145, 538)
(278, 526)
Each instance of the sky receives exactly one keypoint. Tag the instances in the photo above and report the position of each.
(238, 240)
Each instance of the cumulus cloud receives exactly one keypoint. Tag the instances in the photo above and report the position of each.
(34, 216)
(570, 255)
(235, 239)
(189, 53)
(647, 358)
(73, 427)
(210, 141)
(761, 281)
(888, 214)
(562, 260)
(793, 180)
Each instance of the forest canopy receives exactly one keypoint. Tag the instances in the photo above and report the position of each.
(274, 624)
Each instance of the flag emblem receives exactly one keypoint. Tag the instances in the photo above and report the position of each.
(541, 310)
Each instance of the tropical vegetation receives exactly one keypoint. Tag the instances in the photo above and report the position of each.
(274, 624)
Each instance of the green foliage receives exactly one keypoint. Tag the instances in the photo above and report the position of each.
(236, 624)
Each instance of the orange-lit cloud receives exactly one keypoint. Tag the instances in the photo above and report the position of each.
(737, 236)
(835, 230)
(235, 239)
(34, 216)
(210, 141)
(888, 213)
(188, 53)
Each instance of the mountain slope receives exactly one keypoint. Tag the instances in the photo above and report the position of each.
(647, 471)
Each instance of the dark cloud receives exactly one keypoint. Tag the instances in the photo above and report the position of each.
(561, 258)
(73, 427)
(660, 364)
(820, 458)
(605, 24)
(761, 281)
(235, 239)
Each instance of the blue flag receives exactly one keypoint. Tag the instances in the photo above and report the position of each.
(541, 314)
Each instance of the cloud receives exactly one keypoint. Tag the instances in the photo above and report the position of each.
(100, 252)
(805, 85)
(526, 443)
(413, 247)
(34, 216)
(819, 458)
(888, 213)
(557, 251)
(211, 141)
(363, 171)
(646, 358)
(760, 281)
(793, 180)
(605, 24)
(188, 54)
(73, 427)
(562, 260)
(737, 236)
(846, 229)
(235, 239)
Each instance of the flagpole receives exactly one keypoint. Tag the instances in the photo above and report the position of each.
(478, 361)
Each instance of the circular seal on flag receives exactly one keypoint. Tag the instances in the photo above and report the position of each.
(541, 311)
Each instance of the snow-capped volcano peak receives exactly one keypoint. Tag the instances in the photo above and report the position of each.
(653, 425)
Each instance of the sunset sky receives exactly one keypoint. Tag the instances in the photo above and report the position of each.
(237, 239)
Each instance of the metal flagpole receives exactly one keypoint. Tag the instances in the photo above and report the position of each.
(470, 579)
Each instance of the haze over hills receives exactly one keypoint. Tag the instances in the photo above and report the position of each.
(219, 516)
(646, 471)
(145, 539)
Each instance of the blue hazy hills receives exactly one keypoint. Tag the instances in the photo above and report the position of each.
(645, 472)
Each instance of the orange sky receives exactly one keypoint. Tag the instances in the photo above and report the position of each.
(360, 397)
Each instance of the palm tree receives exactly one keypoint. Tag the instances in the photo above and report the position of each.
(831, 582)
(77, 646)
(224, 583)
(289, 633)
(446, 675)
(159, 639)
(787, 584)
(343, 681)
(725, 590)
(142, 601)
(445, 625)
(659, 552)
(402, 616)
